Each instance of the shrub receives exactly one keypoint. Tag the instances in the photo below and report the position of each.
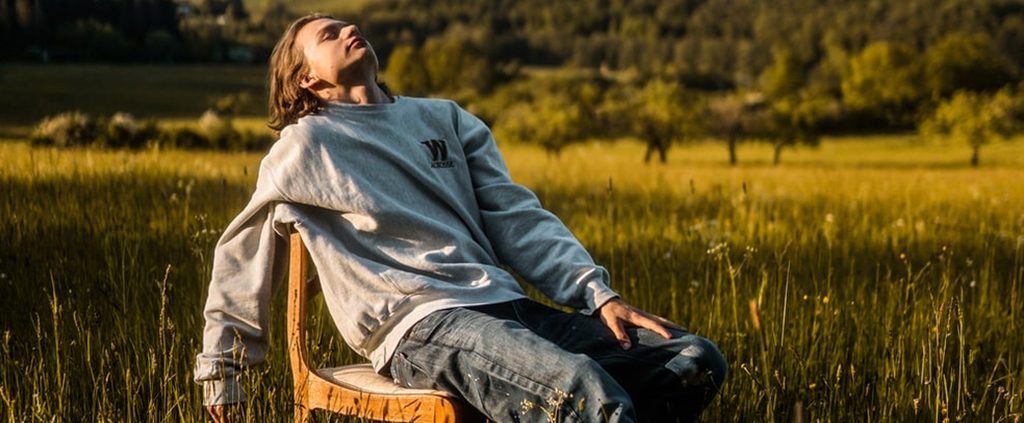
(183, 137)
(220, 133)
(120, 131)
(68, 129)
(254, 141)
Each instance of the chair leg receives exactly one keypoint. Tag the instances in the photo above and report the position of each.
(301, 413)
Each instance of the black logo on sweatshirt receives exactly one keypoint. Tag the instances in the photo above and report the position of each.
(438, 153)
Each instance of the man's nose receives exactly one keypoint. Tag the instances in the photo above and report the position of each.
(349, 31)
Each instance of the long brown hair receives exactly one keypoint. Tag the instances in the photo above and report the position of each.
(288, 101)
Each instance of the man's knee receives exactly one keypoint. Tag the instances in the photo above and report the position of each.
(699, 364)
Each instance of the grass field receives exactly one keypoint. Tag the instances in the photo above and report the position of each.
(872, 279)
(33, 91)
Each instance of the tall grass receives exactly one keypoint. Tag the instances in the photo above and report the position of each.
(866, 280)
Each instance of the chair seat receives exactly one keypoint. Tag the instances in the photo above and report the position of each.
(362, 377)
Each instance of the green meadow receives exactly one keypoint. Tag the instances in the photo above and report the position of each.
(873, 278)
(870, 279)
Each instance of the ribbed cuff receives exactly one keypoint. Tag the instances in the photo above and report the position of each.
(224, 391)
(597, 294)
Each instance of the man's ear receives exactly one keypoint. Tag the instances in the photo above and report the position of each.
(308, 80)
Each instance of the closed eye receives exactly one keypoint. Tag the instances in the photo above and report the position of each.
(331, 31)
(329, 35)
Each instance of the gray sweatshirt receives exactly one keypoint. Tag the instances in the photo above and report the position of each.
(406, 208)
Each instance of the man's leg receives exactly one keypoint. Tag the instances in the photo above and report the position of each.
(667, 379)
(507, 371)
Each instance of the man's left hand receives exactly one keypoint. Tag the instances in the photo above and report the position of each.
(618, 315)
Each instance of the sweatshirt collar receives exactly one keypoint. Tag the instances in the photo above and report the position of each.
(337, 106)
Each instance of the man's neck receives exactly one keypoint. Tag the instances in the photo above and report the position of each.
(367, 92)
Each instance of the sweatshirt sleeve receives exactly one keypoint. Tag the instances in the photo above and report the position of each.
(525, 236)
(243, 279)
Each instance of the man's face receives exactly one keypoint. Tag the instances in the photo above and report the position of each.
(336, 53)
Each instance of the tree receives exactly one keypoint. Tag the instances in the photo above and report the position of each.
(455, 63)
(973, 118)
(734, 117)
(883, 79)
(784, 77)
(797, 120)
(794, 111)
(552, 120)
(962, 61)
(406, 73)
(660, 114)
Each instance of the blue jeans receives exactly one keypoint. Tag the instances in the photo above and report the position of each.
(522, 361)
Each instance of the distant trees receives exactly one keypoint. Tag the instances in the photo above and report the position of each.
(662, 71)
(795, 110)
(138, 30)
(962, 61)
(552, 121)
(733, 118)
(659, 113)
(884, 80)
(975, 119)
(106, 30)
(551, 111)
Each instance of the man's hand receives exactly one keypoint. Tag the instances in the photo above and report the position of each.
(617, 315)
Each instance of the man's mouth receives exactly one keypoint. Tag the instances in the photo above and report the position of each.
(357, 42)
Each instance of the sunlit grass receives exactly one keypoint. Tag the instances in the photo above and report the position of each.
(885, 276)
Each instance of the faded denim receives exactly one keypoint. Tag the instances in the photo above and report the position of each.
(522, 361)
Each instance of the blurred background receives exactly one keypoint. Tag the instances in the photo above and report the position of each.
(552, 73)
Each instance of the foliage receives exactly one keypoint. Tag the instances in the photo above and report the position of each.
(784, 77)
(735, 117)
(659, 112)
(122, 130)
(962, 61)
(405, 72)
(884, 79)
(552, 121)
(550, 111)
(67, 129)
(89, 39)
(974, 119)
(452, 63)
(233, 104)
(181, 137)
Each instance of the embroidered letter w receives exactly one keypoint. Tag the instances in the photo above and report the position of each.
(438, 149)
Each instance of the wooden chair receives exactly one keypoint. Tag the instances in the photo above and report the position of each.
(354, 390)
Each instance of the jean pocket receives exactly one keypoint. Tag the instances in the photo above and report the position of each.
(408, 374)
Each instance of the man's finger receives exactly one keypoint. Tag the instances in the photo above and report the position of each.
(654, 325)
(620, 332)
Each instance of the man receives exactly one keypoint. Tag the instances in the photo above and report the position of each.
(409, 214)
